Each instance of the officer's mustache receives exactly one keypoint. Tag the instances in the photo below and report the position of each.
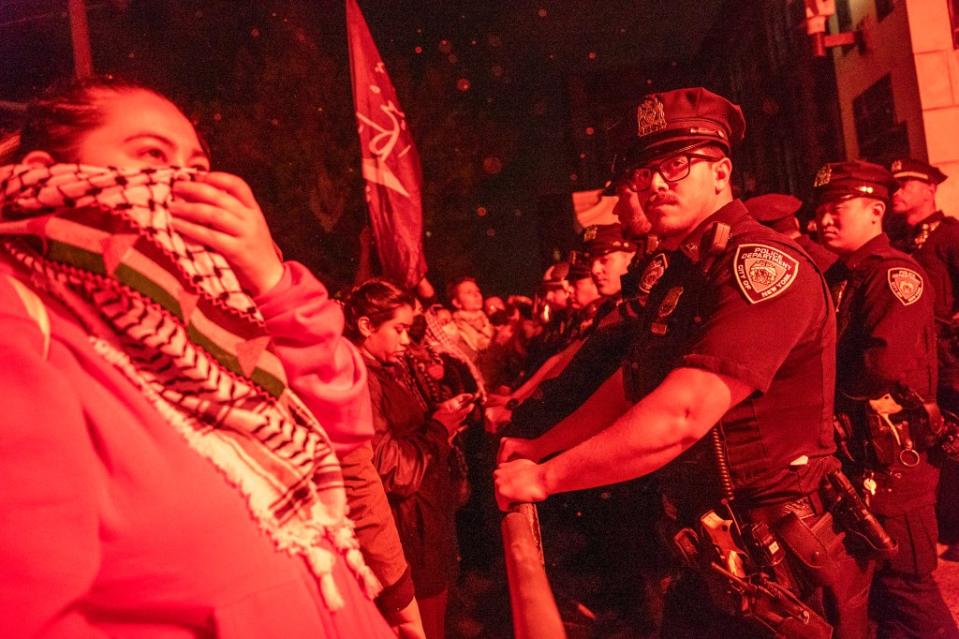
(658, 200)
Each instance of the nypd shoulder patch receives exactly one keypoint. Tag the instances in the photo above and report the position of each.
(905, 284)
(763, 272)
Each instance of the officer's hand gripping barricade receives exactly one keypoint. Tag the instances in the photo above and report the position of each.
(746, 568)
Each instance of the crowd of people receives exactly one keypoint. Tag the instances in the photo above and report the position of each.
(200, 441)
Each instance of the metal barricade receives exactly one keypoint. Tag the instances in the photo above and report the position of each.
(535, 615)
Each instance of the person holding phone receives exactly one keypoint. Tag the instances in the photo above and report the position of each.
(412, 446)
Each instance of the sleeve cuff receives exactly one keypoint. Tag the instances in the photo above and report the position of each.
(397, 596)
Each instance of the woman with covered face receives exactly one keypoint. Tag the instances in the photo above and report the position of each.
(174, 393)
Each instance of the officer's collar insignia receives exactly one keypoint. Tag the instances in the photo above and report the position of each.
(823, 176)
(922, 233)
(905, 284)
(896, 166)
(666, 308)
(653, 271)
(590, 233)
(763, 272)
(650, 116)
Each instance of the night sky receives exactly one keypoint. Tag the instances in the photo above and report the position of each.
(508, 102)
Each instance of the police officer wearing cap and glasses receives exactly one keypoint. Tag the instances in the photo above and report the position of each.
(886, 348)
(732, 398)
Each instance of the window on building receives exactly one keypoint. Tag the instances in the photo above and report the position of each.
(954, 19)
(844, 15)
(879, 136)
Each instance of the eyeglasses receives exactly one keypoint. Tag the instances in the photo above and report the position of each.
(673, 169)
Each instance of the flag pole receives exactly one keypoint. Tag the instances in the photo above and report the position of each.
(80, 36)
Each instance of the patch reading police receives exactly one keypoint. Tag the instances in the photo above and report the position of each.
(653, 271)
(905, 284)
(763, 272)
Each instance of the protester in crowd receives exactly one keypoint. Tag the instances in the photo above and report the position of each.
(726, 388)
(472, 327)
(412, 445)
(173, 392)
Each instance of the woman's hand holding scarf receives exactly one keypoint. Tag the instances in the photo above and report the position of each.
(219, 211)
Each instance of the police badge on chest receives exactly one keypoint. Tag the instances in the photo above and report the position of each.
(666, 308)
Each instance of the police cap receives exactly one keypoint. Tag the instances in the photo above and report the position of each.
(556, 275)
(910, 169)
(579, 271)
(855, 178)
(681, 119)
(775, 210)
(601, 239)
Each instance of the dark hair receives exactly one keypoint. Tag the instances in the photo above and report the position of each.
(454, 284)
(376, 299)
(56, 120)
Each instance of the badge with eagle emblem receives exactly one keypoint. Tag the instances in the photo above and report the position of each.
(823, 176)
(650, 116)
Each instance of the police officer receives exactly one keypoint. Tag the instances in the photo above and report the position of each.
(555, 293)
(585, 298)
(610, 252)
(886, 345)
(778, 211)
(932, 238)
(737, 334)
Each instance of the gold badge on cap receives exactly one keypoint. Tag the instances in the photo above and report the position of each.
(896, 166)
(590, 233)
(650, 116)
(823, 176)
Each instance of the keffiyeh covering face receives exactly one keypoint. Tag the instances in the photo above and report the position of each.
(172, 316)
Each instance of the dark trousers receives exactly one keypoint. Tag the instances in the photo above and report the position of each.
(905, 600)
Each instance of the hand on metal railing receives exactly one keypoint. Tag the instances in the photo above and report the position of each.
(535, 615)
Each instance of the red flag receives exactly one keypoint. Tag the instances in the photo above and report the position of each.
(391, 165)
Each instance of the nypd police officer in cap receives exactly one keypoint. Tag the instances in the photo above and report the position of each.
(728, 391)
(932, 238)
(886, 372)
